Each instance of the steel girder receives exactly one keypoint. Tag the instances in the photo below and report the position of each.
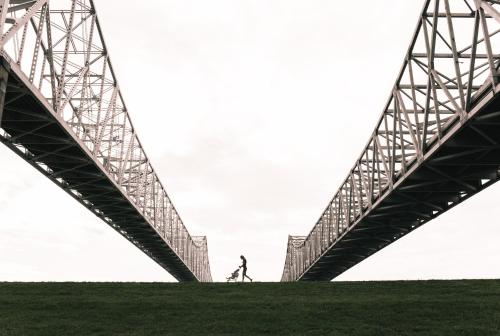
(65, 114)
(435, 144)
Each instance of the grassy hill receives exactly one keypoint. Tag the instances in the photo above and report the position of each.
(348, 308)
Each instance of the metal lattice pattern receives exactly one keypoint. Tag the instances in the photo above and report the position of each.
(452, 62)
(58, 46)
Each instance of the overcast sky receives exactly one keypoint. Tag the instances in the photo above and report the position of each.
(252, 113)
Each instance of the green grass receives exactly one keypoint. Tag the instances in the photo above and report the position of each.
(347, 308)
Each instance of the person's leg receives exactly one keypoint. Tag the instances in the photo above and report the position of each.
(244, 275)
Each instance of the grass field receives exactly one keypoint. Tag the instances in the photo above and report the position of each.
(348, 308)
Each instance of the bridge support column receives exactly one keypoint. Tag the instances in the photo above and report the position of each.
(4, 77)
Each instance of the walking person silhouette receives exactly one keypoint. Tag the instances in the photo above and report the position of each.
(244, 266)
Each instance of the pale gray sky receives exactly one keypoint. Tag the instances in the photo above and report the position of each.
(252, 113)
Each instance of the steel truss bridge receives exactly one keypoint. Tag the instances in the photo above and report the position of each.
(436, 143)
(62, 110)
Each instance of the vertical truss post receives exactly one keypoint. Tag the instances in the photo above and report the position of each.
(4, 76)
(470, 80)
(487, 41)
(4, 6)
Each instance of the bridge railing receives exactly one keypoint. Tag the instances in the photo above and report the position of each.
(59, 47)
(453, 58)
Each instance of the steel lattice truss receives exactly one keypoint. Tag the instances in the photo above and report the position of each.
(449, 72)
(56, 47)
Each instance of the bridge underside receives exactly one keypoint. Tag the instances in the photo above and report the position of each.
(460, 164)
(42, 139)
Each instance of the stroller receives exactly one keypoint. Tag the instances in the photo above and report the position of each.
(234, 276)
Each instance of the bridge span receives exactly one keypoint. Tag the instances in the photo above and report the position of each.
(436, 143)
(62, 110)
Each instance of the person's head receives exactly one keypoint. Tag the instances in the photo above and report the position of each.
(242, 257)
